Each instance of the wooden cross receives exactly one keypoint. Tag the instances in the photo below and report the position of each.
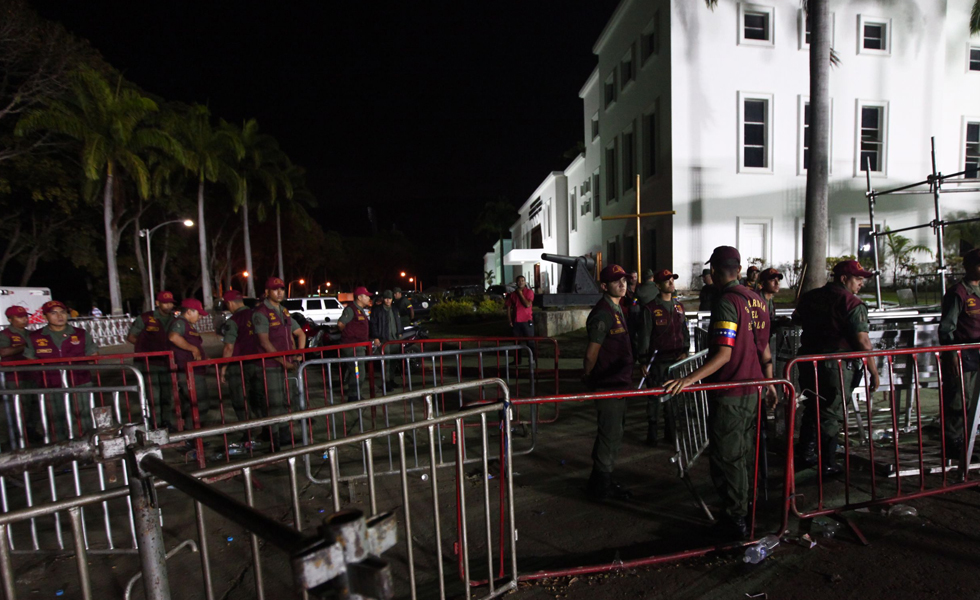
(639, 216)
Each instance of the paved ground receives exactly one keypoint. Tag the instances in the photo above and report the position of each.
(924, 556)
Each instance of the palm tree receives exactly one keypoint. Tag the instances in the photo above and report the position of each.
(822, 56)
(112, 126)
(294, 187)
(258, 165)
(209, 154)
(975, 18)
(899, 250)
(495, 220)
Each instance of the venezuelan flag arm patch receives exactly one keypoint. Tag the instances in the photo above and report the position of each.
(723, 333)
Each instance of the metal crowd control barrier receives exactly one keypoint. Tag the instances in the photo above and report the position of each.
(497, 344)
(689, 411)
(606, 566)
(252, 377)
(157, 369)
(878, 452)
(409, 413)
(334, 561)
(72, 410)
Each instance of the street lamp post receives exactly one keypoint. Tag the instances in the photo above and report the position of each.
(147, 233)
(289, 292)
(415, 281)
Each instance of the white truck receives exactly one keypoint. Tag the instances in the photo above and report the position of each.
(28, 297)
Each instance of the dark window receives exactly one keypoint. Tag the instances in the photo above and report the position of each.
(650, 42)
(572, 213)
(972, 150)
(597, 210)
(806, 136)
(293, 305)
(314, 305)
(806, 28)
(609, 90)
(611, 162)
(626, 68)
(650, 133)
(874, 36)
(871, 138)
(754, 134)
(975, 59)
(756, 26)
(865, 241)
(629, 162)
(595, 127)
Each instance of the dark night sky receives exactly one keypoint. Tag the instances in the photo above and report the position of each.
(421, 109)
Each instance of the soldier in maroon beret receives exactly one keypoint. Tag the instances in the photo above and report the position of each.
(833, 319)
(608, 365)
(960, 324)
(148, 333)
(736, 354)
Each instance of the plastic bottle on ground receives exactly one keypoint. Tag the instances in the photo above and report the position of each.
(758, 552)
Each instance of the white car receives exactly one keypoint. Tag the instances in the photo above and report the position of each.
(323, 310)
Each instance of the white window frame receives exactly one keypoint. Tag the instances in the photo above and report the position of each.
(595, 193)
(889, 37)
(573, 210)
(801, 30)
(966, 120)
(969, 49)
(802, 101)
(770, 12)
(883, 105)
(768, 98)
(628, 57)
(767, 245)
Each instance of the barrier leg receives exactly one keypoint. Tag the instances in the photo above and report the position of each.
(153, 555)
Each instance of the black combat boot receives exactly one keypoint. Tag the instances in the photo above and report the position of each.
(652, 440)
(830, 465)
(602, 487)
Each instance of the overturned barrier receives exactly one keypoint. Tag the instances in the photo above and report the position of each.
(722, 543)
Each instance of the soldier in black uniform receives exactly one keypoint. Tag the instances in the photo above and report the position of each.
(608, 365)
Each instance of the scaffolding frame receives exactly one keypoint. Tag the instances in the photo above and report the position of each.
(935, 181)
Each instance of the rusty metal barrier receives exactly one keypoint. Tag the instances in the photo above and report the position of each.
(760, 386)
(497, 364)
(40, 412)
(879, 451)
(335, 556)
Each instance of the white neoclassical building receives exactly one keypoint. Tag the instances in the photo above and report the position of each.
(709, 108)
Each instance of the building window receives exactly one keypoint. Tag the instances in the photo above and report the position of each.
(650, 39)
(626, 70)
(594, 193)
(973, 61)
(755, 133)
(874, 35)
(872, 136)
(629, 159)
(609, 90)
(865, 241)
(804, 136)
(972, 152)
(650, 143)
(595, 126)
(804, 26)
(611, 165)
(572, 213)
(755, 24)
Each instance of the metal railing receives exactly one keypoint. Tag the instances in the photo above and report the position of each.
(878, 451)
(338, 555)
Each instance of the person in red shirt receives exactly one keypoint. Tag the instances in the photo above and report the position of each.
(519, 314)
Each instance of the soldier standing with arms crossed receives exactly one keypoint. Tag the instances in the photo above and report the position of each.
(274, 331)
(244, 379)
(663, 336)
(187, 346)
(59, 339)
(733, 356)
(608, 365)
(148, 333)
(960, 324)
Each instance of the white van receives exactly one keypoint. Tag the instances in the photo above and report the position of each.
(28, 297)
(322, 310)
